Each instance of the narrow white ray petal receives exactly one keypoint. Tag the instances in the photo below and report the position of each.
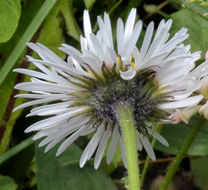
(157, 43)
(42, 96)
(98, 46)
(51, 55)
(45, 87)
(113, 144)
(101, 148)
(105, 36)
(94, 64)
(72, 52)
(92, 145)
(153, 61)
(83, 43)
(139, 144)
(46, 54)
(50, 122)
(128, 75)
(32, 73)
(64, 69)
(56, 140)
(87, 24)
(188, 102)
(147, 146)
(108, 28)
(156, 135)
(147, 39)
(35, 102)
(38, 65)
(69, 141)
(52, 106)
(50, 109)
(133, 39)
(177, 39)
(40, 125)
(120, 36)
(163, 25)
(66, 131)
(129, 24)
(39, 135)
(87, 131)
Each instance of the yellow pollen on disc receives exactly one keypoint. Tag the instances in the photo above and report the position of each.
(118, 60)
(132, 63)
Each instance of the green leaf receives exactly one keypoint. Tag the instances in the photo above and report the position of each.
(198, 6)
(89, 3)
(198, 33)
(199, 168)
(63, 172)
(18, 161)
(51, 34)
(7, 183)
(70, 21)
(30, 31)
(29, 10)
(10, 11)
(175, 135)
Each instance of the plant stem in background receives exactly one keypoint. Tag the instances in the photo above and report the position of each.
(158, 129)
(18, 148)
(129, 135)
(7, 122)
(181, 154)
(30, 31)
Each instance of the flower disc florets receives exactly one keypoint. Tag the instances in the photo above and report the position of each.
(107, 91)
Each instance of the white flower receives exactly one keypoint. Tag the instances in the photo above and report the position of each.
(204, 110)
(84, 91)
(183, 115)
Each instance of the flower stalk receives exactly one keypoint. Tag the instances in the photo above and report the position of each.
(129, 137)
(182, 152)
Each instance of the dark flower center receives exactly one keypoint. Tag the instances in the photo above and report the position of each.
(106, 92)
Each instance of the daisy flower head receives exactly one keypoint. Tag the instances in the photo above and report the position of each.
(85, 91)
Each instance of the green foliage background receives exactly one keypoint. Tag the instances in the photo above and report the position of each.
(52, 22)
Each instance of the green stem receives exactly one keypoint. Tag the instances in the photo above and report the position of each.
(129, 136)
(28, 34)
(13, 151)
(182, 152)
(158, 128)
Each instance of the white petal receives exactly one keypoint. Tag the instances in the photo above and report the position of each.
(188, 102)
(69, 141)
(128, 75)
(159, 137)
(101, 148)
(92, 145)
(113, 144)
(147, 146)
(87, 24)
(147, 39)
(129, 24)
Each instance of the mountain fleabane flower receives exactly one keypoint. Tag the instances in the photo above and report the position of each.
(84, 92)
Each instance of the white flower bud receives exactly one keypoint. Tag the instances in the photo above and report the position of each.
(204, 110)
(183, 115)
(204, 88)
